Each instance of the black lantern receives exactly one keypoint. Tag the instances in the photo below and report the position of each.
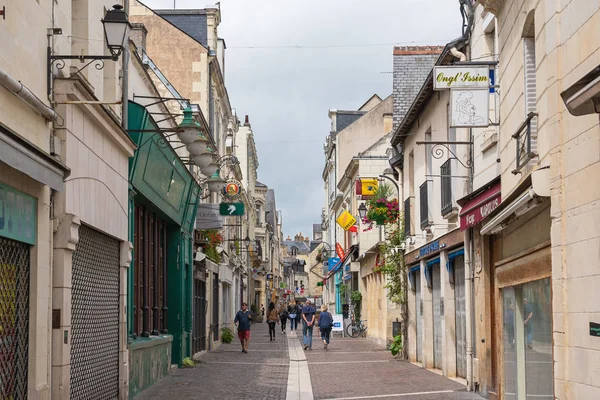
(247, 241)
(115, 30)
(362, 211)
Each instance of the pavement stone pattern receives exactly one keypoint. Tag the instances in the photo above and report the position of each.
(227, 373)
(349, 369)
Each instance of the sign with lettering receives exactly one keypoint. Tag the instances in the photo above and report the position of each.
(18, 215)
(339, 250)
(346, 220)
(429, 248)
(458, 76)
(338, 323)
(594, 329)
(208, 217)
(332, 262)
(479, 207)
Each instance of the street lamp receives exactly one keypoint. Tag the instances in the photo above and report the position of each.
(362, 211)
(115, 33)
(247, 241)
(215, 182)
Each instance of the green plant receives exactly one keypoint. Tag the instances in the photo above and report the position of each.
(226, 335)
(213, 239)
(356, 300)
(188, 362)
(343, 289)
(381, 209)
(396, 345)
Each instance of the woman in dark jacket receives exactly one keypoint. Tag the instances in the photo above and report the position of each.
(293, 314)
(325, 325)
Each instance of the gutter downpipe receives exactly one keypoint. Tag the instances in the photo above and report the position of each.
(23, 92)
(125, 82)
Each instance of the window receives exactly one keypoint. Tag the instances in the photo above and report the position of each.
(294, 251)
(529, 66)
(258, 221)
(150, 271)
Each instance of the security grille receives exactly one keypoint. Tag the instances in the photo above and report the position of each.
(14, 319)
(95, 317)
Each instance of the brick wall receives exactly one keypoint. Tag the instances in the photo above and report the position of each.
(412, 64)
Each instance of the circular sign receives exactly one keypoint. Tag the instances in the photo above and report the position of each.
(232, 188)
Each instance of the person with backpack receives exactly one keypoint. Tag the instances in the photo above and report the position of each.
(283, 316)
(325, 325)
(293, 313)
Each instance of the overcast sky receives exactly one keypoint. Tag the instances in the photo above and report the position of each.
(346, 56)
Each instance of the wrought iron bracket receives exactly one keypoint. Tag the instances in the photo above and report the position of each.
(58, 61)
(437, 151)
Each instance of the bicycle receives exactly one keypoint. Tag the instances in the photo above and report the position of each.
(356, 329)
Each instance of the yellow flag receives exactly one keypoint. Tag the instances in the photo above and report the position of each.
(346, 220)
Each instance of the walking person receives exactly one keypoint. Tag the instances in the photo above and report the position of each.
(325, 325)
(242, 321)
(299, 313)
(308, 322)
(283, 317)
(293, 314)
(272, 319)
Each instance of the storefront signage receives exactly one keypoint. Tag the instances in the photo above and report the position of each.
(339, 250)
(429, 248)
(332, 262)
(232, 188)
(338, 322)
(18, 215)
(451, 77)
(231, 209)
(481, 206)
(594, 329)
(346, 220)
(469, 108)
(366, 187)
(208, 217)
(270, 277)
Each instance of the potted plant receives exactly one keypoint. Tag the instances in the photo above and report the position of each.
(381, 209)
(213, 239)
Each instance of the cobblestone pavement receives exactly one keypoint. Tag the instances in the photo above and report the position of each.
(349, 369)
(227, 373)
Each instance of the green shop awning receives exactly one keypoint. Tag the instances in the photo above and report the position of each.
(157, 173)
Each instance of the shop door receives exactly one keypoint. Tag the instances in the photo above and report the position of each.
(215, 308)
(461, 317)
(419, 316)
(95, 317)
(437, 317)
(199, 334)
(14, 318)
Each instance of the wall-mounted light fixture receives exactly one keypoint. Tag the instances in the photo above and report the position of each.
(115, 32)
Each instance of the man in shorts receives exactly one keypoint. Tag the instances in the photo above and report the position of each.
(242, 321)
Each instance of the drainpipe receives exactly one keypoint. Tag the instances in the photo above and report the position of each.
(469, 306)
(461, 56)
(23, 92)
(125, 81)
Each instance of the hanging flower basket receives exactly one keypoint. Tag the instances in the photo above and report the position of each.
(383, 212)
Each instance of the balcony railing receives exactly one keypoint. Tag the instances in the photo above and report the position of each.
(424, 204)
(446, 182)
(523, 141)
(408, 231)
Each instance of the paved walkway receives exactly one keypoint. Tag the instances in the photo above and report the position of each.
(349, 369)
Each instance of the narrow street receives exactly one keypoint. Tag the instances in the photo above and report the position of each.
(349, 369)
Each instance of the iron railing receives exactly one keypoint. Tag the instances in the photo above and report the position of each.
(446, 183)
(523, 141)
(424, 204)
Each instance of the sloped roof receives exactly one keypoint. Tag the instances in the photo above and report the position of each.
(302, 247)
(192, 22)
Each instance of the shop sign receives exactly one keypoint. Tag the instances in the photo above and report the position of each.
(469, 108)
(338, 322)
(208, 217)
(458, 76)
(594, 329)
(270, 277)
(429, 248)
(366, 187)
(18, 215)
(231, 209)
(346, 220)
(332, 262)
(232, 188)
(478, 208)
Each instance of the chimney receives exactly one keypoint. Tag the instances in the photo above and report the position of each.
(246, 121)
(412, 64)
(138, 35)
(213, 19)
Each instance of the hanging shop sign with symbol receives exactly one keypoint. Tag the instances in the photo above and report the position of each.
(346, 220)
(18, 215)
(231, 209)
(232, 188)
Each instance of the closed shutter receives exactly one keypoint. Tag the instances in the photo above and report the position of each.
(95, 317)
(530, 87)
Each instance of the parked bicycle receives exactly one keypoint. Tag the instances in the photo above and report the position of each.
(356, 329)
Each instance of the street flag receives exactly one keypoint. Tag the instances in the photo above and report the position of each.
(366, 187)
(354, 229)
(346, 220)
(339, 250)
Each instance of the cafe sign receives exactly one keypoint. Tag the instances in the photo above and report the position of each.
(456, 76)
(18, 213)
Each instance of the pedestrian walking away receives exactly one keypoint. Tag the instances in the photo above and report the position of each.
(242, 321)
(293, 313)
(272, 319)
(325, 325)
(308, 321)
(283, 317)
(262, 310)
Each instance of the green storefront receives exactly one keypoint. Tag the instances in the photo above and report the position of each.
(162, 208)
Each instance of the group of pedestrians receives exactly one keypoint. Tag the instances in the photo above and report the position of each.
(295, 314)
